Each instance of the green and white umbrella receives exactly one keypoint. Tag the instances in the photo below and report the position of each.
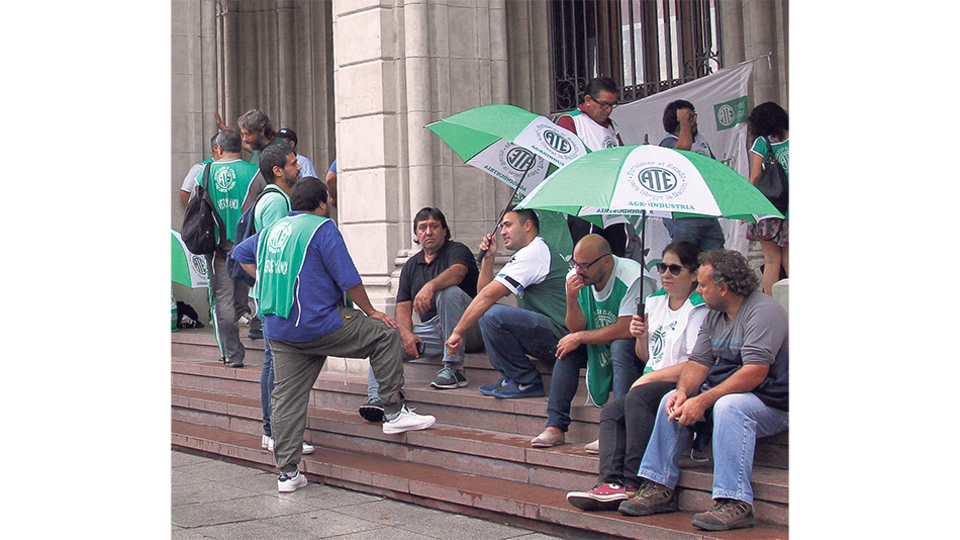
(638, 181)
(515, 146)
(650, 180)
(186, 268)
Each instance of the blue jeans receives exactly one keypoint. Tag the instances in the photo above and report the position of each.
(512, 333)
(266, 386)
(738, 420)
(704, 232)
(451, 303)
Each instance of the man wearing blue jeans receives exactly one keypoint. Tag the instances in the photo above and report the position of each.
(736, 380)
(601, 298)
(438, 283)
(535, 274)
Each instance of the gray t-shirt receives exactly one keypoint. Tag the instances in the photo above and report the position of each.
(754, 336)
(758, 334)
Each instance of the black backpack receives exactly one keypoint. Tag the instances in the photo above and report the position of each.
(772, 181)
(246, 228)
(201, 222)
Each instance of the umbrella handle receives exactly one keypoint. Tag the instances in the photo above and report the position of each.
(483, 252)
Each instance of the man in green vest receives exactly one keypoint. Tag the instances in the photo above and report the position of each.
(303, 269)
(229, 184)
(601, 299)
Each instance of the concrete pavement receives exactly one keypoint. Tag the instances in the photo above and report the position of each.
(221, 500)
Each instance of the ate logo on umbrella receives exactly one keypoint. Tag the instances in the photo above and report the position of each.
(659, 182)
(519, 160)
(199, 264)
(553, 139)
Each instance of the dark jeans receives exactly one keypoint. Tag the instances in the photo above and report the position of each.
(511, 335)
(626, 425)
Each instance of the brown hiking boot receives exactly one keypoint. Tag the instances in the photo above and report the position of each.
(726, 514)
(652, 498)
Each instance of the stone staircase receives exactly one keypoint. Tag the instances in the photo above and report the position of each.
(476, 460)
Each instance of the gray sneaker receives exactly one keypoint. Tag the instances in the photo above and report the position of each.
(449, 377)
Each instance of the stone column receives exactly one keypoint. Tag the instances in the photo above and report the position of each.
(760, 37)
(368, 139)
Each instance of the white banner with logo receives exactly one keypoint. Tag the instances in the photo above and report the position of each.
(720, 101)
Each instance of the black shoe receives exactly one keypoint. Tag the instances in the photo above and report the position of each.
(256, 333)
(372, 410)
(231, 363)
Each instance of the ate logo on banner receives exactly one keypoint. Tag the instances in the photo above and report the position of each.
(730, 113)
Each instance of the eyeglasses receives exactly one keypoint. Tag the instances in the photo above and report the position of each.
(675, 269)
(604, 104)
(586, 266)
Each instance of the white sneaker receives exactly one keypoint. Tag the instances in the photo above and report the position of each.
(407, 420)
(266, 443)
(593, 448)
(288, 484)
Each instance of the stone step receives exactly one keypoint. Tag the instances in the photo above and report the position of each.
(476, 435)
(473, 451)
(494, 498)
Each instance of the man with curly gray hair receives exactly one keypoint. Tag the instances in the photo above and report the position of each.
(734, 387)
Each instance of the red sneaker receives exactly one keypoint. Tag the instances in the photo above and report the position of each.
(602, 497)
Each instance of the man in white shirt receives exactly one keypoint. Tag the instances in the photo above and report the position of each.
(536, 275)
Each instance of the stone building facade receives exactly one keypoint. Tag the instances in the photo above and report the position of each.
(359, 79)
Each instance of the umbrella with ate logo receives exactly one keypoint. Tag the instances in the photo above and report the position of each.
(511, 144)
(637, 181)
(186, 268)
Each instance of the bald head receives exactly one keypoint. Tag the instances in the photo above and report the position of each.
(592, 246)
(592, 262)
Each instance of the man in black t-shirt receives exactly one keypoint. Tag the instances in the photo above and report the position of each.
(438, 283)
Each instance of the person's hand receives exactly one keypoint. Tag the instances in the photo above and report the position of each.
(423, 299)
(638, 326)
(568, 343)
(410, 341)
(574, 284)
(220, 125)
(382, 317)
(686, 117)
(675, 400)
(454, 342)
(689, 412)
(489, 243)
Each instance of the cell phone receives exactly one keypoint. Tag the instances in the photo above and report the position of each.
(420, 347)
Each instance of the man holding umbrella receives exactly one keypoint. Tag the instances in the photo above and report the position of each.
(536, 274)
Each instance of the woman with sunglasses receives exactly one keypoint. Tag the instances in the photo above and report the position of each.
(665, 337)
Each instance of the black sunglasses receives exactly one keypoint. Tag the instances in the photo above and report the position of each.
(586, 266)
(675, 269)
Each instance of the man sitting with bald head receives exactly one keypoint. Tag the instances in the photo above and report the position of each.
(601, 297)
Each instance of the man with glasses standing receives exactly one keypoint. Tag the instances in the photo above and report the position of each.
(592, 123)
(680, 123)
(602, 291)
